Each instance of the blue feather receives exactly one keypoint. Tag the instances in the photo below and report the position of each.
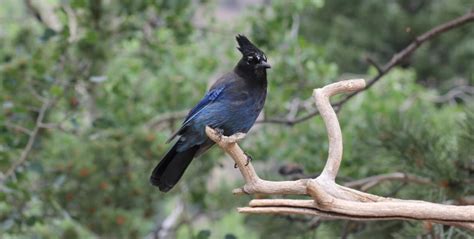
(210, 97)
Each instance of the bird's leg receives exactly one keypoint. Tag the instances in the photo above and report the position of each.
(249, 158)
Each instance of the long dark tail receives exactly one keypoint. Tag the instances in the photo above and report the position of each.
(171, 168)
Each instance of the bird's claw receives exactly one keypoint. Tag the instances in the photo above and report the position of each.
(220, 133)
(249, 158)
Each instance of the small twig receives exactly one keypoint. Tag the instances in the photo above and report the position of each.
(53, 126)
(461, 92)
(35, 93)
(367, 183)
(17, 127)
(29, 146)
(293, 109)
(164, 118)
(394, 61)
(59, 124)
(375, 64)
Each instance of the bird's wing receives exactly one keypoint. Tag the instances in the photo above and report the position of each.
(210, 97)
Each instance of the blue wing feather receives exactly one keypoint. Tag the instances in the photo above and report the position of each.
(210, 97)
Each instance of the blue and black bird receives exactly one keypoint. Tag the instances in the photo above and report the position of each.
(231, 105)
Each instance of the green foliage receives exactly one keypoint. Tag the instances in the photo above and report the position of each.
(129, 64)
(385, 27)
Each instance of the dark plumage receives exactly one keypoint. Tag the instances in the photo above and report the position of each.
(232, 104)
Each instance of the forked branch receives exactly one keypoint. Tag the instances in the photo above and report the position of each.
(330, 200)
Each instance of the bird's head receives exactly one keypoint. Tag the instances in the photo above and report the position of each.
(254, 60)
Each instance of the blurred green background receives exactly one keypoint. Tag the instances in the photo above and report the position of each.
(115, 78)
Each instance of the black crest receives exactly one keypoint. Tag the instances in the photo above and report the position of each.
(247, 47)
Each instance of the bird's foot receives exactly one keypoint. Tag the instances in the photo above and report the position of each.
(217, 135)
(249, 158)
(220, 133)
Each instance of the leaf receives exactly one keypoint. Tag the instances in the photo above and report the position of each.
(204, 234)
(56, 91)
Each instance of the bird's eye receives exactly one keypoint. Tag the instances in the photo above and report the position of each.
(252, 60)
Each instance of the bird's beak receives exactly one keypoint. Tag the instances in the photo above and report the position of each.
(265, 65)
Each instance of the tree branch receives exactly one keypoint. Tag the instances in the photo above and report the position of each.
(382, 71)
(156, 121)
(253, 183)
(17, 127)
(330, 200)
(370, 182)
(29, 145)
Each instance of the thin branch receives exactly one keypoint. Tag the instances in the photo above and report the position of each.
(29, 146)
(394, 61)
(375, 64)
(367, 183)
(460, 92)
(166, 118)
(295, 172)
(59, 124)
(17, 127)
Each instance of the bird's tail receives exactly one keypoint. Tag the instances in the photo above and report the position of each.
(171, 168)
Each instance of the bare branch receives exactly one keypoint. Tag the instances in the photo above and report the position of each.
(367, 183)
(29, 146)
(321, 97)
(330, 200)
(394, 61)
(373, 63)
(17, 127)
(165, 118)
(253, 183)
(463, 92)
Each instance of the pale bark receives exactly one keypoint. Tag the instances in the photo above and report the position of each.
(330, 200)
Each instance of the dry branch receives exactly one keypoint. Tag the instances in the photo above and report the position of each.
(330, 200)
(253, 183)
(370, 182)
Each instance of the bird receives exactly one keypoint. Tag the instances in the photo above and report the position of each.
(231, 105)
